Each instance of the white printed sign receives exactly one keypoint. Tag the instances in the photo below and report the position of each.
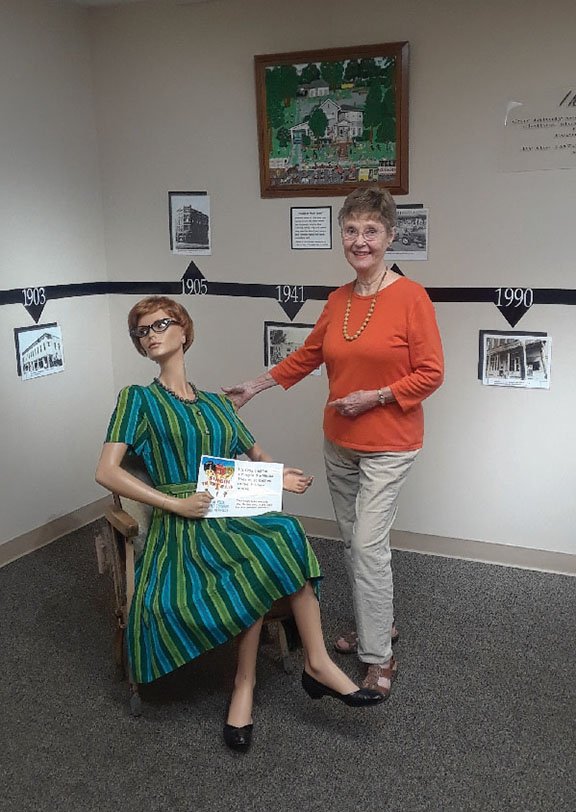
(311, 227)
(540, 131)
(239, 487)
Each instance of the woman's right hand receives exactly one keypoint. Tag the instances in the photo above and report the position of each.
(193, 507)
(243, 392)
(239, 394)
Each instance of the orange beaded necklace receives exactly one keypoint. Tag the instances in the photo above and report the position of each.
(364, 324)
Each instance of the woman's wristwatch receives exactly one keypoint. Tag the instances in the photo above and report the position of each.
(381, 397)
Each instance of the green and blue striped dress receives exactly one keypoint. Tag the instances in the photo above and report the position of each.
(199, 582)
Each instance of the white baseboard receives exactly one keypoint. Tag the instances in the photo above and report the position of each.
(47, 533)
(504, 555)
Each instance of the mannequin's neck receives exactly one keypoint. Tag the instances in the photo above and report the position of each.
(172, 373)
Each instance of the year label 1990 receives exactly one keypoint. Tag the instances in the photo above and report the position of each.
(514, 297)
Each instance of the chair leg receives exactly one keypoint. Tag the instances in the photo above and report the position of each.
(292, 633)
(119, 658)
(135, 701)
(284, 649)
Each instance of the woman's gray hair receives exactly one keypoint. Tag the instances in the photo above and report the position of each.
(374, 200)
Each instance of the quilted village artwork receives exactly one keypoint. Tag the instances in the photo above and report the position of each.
(333, 119)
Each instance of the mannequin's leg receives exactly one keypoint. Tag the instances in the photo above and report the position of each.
(240, 710)
(317, 662)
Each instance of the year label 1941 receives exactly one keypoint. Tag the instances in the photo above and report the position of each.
(290, 293)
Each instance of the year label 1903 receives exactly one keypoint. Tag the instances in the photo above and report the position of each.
(34, 296)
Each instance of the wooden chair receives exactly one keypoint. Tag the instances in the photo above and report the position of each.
(117, 549)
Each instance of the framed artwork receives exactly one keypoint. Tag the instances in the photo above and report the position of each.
(331, 120)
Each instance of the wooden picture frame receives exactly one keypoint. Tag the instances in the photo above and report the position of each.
(331, 120)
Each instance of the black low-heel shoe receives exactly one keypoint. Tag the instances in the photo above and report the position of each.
(238, 738)
(363, 697)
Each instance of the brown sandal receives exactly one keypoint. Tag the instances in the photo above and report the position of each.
(380, 677)
(348, 643)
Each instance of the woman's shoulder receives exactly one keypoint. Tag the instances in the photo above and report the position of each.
(340, 293)
(409, 288)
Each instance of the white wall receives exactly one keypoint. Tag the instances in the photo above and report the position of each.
(175, 109)
(50, 234)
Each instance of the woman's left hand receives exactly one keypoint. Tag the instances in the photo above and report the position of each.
(355, 403)
(296, 480)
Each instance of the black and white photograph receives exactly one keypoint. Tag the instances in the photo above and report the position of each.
(39, 350)
(411, 240)
(189, 214)
(282, 338)
(516, 359)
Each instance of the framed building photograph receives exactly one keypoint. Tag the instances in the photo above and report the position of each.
(282, 338)
(39, 350)
(333, 119)
(189, 216)
(508, 358)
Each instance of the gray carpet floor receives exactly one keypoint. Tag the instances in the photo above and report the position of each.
(481, 717)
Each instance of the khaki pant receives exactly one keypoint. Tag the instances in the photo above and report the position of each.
(364, 487)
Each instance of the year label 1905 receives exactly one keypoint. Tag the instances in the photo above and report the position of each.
(194, 287)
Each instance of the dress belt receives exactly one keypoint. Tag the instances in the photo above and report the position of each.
(178, 488)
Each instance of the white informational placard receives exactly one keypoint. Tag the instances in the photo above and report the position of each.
(240, 487)
(311, 228)
(540, 131)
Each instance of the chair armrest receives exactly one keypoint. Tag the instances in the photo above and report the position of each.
(122, 522)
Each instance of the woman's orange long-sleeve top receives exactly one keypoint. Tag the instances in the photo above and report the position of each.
(400, 348)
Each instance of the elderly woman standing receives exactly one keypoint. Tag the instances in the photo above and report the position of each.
(379, 340)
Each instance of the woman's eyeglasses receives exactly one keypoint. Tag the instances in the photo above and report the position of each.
(157, 326)
(370, 234)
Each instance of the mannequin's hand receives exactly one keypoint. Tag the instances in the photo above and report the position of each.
(296, 480)
(239, 394)
(193, 507)
(355, 403)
